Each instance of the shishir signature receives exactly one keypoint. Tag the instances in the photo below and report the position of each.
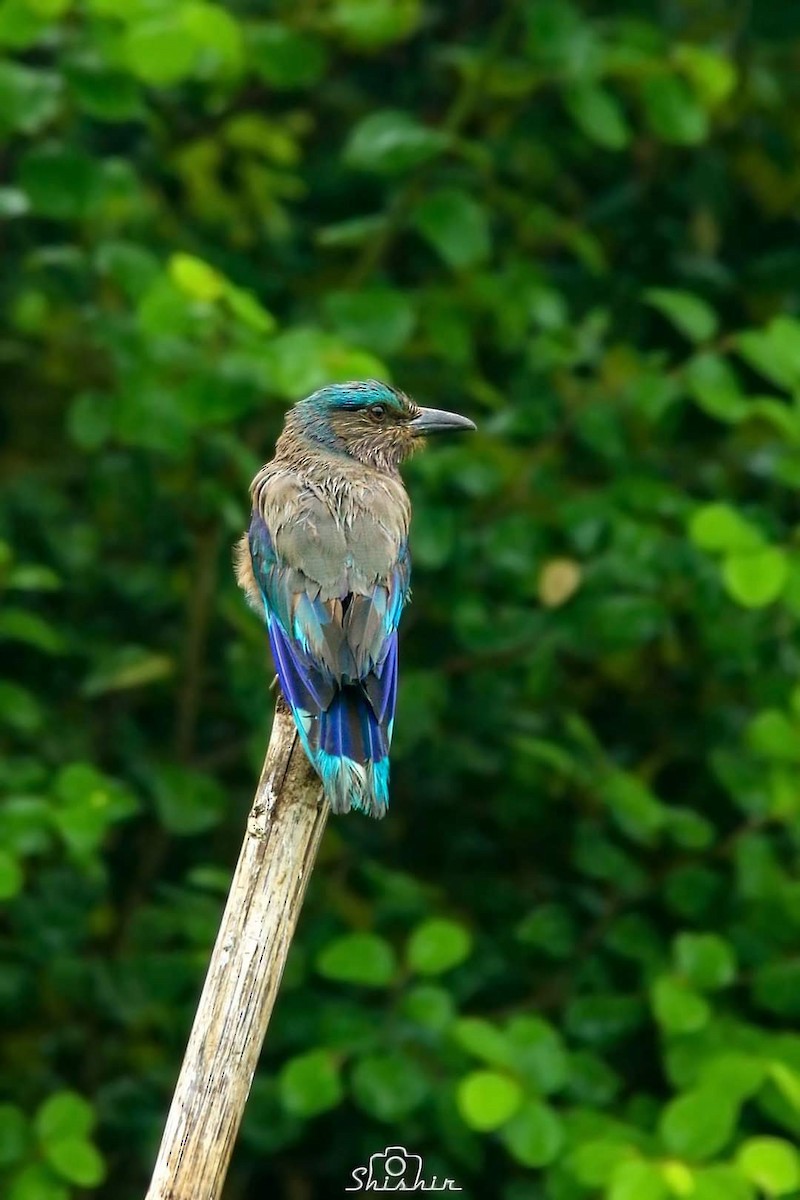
(396, 1170)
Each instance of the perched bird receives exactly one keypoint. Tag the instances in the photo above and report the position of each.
(326, 562)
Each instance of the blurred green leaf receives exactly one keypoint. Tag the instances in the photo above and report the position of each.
(690, 315)
(310, 1084)
(163, 310)
(388, 1086)
(712, 74)
(774, 351)
(391, 143)
(20, 26)
(721, 1183)
(719, 528)
(18, 625)
(483, 1040)
(699, 1124)
(557, 36)
(372, 24)
(284, 57)
(37, 1182)
(550, 929)
(29, 100)
(707, 960)
(362, 958)
(673, 112)
(217, 35)
(756, 579)
(713, 383)
(594, 1162)
(736, 1075)
(246, 307)
(538, 1053)
(132, 267)
(28, 577)
(687, 828)
(633, 805)
(787, 1080)
(771, 1163)
(76, 1161)
(456, 225)
(159, 51)
(678, 1008)
(128, 667)
(195, 278)
(486, 1100)
(437, 945)
(429, 1006)
(535, 1135)
(64, 1116)
(638, 1180)
(352, 232)
(598, 114)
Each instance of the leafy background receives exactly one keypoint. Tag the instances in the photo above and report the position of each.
(568, 965)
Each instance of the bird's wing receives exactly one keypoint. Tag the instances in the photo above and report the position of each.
(307, 684)
(299, 553)
(372, 617)
(373, 635)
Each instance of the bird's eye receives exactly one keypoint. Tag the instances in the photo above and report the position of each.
(377, 411)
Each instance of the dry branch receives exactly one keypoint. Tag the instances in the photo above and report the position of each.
(283, 834)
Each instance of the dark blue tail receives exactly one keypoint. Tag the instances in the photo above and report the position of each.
(352, 754)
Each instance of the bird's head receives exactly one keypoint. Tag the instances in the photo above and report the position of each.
(369, 421)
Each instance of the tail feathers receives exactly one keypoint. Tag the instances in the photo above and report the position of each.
(352, 755)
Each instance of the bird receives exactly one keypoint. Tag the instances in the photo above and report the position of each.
(325, 562)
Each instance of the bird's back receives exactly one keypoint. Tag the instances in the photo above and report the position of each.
(341, 523)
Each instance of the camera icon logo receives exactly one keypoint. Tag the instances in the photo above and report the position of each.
(395, 1170)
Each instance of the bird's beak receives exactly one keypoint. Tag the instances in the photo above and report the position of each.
(436, 420)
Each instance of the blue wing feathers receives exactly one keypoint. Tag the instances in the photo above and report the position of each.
(381, 684)
(305, 689)
(336, 661)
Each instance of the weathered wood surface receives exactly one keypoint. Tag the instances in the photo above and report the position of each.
(284, 831)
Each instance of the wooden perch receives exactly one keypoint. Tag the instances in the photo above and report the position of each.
(284, 831)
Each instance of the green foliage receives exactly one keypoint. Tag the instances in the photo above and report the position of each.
(455, 225)
(358, 958)
(772, 1164)
(705, 959)
(567, 965)
(391, 143)
(53, 1150)
(310, 1084)
(389, 1086)
(437, 945)
(486, 1099)
(535, 1136)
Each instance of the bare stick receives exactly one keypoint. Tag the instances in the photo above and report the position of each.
(283, 834)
